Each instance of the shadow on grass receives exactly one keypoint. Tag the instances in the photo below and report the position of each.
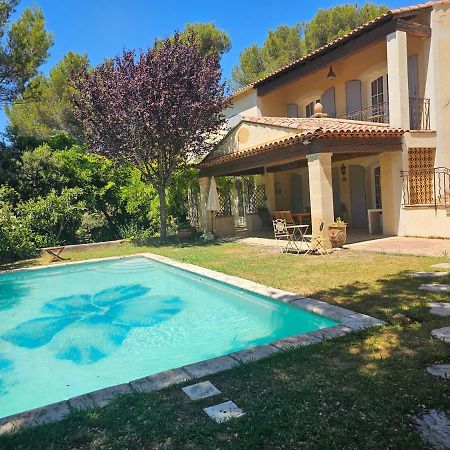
(359, 391)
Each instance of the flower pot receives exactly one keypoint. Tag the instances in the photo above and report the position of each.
(337, 234)
(184, 233)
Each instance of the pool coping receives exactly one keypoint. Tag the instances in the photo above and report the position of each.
(349, 321)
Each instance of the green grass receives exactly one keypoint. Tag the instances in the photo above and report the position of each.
(355, 392)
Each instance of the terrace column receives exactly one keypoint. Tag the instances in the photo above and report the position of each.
(397, 62)
(204, 216)
(320, 192)
(269, 183)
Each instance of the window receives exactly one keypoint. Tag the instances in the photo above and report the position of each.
(309, 110)
(379, 111)
(377, 91)
(377, 186)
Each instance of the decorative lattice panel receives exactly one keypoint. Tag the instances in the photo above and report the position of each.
(193, 207)
(225, 203)
(256, 197)
(421, 170)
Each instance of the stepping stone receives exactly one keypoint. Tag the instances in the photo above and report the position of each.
(434, 427)
(442, 333)
(201, 390)
(428, 274)
(224, 411)
(435, 288)
(440, 370)
(441, 266)
(440, 309)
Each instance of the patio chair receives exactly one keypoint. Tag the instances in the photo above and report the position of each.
(282, 233)
(316, 243)
(287, 216)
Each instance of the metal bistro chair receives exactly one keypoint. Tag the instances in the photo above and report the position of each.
(315, 243)
(282, 233)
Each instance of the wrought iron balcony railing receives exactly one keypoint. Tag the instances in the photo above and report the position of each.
(419, 113)
(376, 113)
(427, 187)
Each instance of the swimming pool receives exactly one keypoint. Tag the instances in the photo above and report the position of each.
(68, 330)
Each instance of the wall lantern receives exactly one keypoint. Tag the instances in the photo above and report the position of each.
(331, 75)
(343, 170)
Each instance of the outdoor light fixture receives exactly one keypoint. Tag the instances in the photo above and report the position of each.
(331, 75)
(343, 170)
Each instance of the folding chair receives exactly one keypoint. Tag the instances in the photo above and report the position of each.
(282, 232)
(316, 242)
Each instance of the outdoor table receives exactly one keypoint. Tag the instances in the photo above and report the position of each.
(55, 252)
(300, 229)
(300, 216)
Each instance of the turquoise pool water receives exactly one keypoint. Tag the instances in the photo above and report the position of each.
(68, 330)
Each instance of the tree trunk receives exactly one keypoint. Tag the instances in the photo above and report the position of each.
(162, 215)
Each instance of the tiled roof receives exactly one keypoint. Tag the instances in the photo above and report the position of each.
(384, 17)
(309, 128)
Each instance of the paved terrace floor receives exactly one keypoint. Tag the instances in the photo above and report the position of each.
(361, 240)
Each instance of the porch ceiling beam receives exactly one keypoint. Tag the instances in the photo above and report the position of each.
(414, 29)
(286, 155)
(255, 171)
(288, 166)
(329, 56)
(345, 156)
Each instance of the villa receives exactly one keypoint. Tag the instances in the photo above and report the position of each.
(358, 129)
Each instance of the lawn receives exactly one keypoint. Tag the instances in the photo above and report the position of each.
(355, 392)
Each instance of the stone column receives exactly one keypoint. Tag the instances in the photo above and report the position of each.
(204, 216)
(320, 192)
(397, 62)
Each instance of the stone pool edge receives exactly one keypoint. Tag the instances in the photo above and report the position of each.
(349, 321)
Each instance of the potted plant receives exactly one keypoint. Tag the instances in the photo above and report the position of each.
(337, 232)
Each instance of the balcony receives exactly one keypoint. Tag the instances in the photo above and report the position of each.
(426, 187)
(419, 113)
(376, 113)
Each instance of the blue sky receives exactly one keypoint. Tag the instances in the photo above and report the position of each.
(102, 28)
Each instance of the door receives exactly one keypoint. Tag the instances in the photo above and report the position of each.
(336, 192)
(296, 192)
(358, 196)
(292, 110)
(413, 90)
(328, 102)
(353, 98)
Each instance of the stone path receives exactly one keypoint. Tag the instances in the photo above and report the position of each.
(442, 333)
(440, 309)
(434, 427)
(445, 288)
(428, 274)
(440, 370)
(224, 411)
(201, 390)
(441, 266)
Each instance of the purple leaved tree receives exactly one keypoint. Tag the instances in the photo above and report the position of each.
(159, 109)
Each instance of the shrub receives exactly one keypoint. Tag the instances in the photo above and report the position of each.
(16, 238)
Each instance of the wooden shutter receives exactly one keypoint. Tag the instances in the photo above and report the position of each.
(292, 110)
(328, 102)
(353, 95)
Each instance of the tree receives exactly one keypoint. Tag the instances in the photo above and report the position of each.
(329, 24)
(288, 43)
(208, 37)
(45, 107)
(157, 109)
(23, 48)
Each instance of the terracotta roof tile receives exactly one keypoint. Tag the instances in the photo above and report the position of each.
(309, 128)
(340, 40)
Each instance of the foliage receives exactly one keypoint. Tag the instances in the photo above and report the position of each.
(54, 219)
(329, 24)
(281, 47)
(288, 43)
(208, 37)
(45, 107)
(23, 48)
(156, 110)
